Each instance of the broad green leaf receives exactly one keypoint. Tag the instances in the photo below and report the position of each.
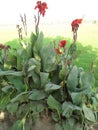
(44, 78)
(17, 83)
(37, 95)
(96, 95)
(88, 112)
(6, 89)
(22, 57)
(37, 107)
(72, 80)
(34, 65)
(11, 73)
(19, 125)
(31, 68)
(12, 107)
(51, 87)
(23, 108)
(30, 46)
(94, 101)
(20, 97)
(78, 126)
(39, 43)
(37, 47)
(55, 116)
(48, 57)
(68, 108)
(54, 104)
(58, 126)
(77, 97)
(41, 38)
(87, 80)
(19, 60)
(72, 124)
(36, 80)
(4, 101)
(33, 39)
(69, 124)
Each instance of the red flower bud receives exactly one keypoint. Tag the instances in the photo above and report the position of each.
(75, 24)
(62, 43)
(58, 51)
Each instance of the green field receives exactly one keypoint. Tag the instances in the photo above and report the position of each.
(87, 44)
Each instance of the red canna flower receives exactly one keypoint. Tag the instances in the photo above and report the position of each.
(75, 24)
(58, 51)
(42, 6)
(62, 43)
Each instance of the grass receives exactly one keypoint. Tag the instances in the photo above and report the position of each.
(87, 45)
(85, 56)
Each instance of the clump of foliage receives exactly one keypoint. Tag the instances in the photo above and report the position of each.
(43, 79)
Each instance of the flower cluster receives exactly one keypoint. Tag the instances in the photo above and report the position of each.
(75, 24)
(42, 6)
(61, 44)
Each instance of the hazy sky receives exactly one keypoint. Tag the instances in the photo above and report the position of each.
(57, 9)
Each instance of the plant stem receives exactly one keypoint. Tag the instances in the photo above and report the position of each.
(37, 23)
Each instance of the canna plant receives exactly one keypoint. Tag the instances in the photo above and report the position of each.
(44, 80)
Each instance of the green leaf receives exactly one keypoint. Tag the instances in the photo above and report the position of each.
(94, 100)
(69, 124)
(51, 87)
(33, 39)
(37, 47)
(96, 95)
(54, 104)
(4, 101)
(12, 107)
(34, 65)
(72, 80)
(19, 125)
(11, 72)
(77, 97)
(40, 38)
(37, 95)
(48, 57)
(58, 126)
(37, 107)
(6, 89)
(89, 115)
(22, 57)
(78, 126)
(55, 116)
(31, 68)
(87, 80)
(72, 124)
(36, 80)
(30, 47)
(68, 108)
(20, 97)
(44, 78)
(17, 83)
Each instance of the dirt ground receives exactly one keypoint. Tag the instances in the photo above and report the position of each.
(44, 123)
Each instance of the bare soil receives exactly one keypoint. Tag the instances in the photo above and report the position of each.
(44, 123)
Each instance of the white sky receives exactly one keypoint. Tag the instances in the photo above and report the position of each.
(57, 10)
